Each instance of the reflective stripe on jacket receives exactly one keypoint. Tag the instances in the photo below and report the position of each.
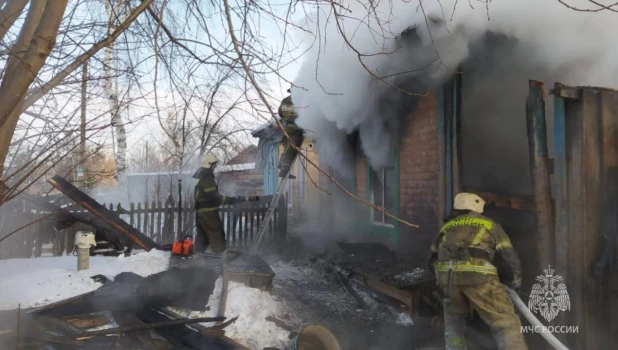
(206, 194)
(471, 233)
(288, 114)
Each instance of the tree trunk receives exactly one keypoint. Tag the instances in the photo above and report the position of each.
(20, 75)
(9, 14)
(28, 29)
(6, 131)
(82, 151)
(112, 10)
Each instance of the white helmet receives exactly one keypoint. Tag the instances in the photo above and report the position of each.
(208, 160)
(469, 201)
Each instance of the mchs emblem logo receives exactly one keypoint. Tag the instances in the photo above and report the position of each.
(550, 296)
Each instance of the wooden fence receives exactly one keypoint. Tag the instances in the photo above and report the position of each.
(163, 222)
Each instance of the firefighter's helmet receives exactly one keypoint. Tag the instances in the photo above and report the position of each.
(208, 160)
(469, 201)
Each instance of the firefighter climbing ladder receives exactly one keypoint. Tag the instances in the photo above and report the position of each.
(272, 207)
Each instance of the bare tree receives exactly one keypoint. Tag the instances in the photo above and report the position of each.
(115, 13)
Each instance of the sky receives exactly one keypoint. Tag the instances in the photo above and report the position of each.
(144, 125)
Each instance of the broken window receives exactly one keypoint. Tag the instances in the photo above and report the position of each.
(382, 195)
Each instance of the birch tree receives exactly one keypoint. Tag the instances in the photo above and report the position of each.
(115, 11)
(26, 61)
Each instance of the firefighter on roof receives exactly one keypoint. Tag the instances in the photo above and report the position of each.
(462, 257)
(207, 201)
(288, 118)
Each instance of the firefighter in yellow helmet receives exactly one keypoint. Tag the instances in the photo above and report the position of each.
(207, 201)
(463, 257)
(288, 116)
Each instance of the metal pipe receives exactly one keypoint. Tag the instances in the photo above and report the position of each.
(551, 339)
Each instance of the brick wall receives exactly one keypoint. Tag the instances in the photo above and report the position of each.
(418, 179)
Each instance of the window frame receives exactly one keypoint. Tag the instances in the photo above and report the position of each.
(391, 230)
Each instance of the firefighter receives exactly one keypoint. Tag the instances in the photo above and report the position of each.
(288, 118)
(462, 257)
(207, 201)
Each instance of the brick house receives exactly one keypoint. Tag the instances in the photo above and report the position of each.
(410, 188)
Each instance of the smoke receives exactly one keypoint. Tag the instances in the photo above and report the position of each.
(415, 49)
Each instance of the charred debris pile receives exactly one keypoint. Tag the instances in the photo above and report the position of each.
(133, 312)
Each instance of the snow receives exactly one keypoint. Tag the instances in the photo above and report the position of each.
(252, 307)
(40, 281)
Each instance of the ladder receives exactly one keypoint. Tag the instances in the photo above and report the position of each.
(272, 207)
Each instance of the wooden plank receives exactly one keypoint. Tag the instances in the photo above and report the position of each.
(610, 163)
(146, 214)
(137, 340)
(409, 298)
(88, 321)
(591, 210)
(132, 215)
(153, 211)
(158, 228)
(99, 211)
(139, 216)
(561, 196)
(537, 148)
(567, 92)
(251, 232)
(574, 121)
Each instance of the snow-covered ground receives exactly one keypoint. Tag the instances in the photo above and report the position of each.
(36, 282)
(40, 281)
(303, 294)
(252, 307)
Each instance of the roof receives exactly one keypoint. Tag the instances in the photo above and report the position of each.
(234, 167)
(247, 155)
(268, 132)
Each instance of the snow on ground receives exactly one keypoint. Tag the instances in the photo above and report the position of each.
(252, 307)
(40, 281)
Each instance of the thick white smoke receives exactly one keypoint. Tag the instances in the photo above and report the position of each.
(336, 95)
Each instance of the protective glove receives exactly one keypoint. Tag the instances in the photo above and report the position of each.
(516, 282)
(254, 199)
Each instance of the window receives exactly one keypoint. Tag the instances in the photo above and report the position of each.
(383, 195)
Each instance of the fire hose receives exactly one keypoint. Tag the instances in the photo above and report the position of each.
(521, 306)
